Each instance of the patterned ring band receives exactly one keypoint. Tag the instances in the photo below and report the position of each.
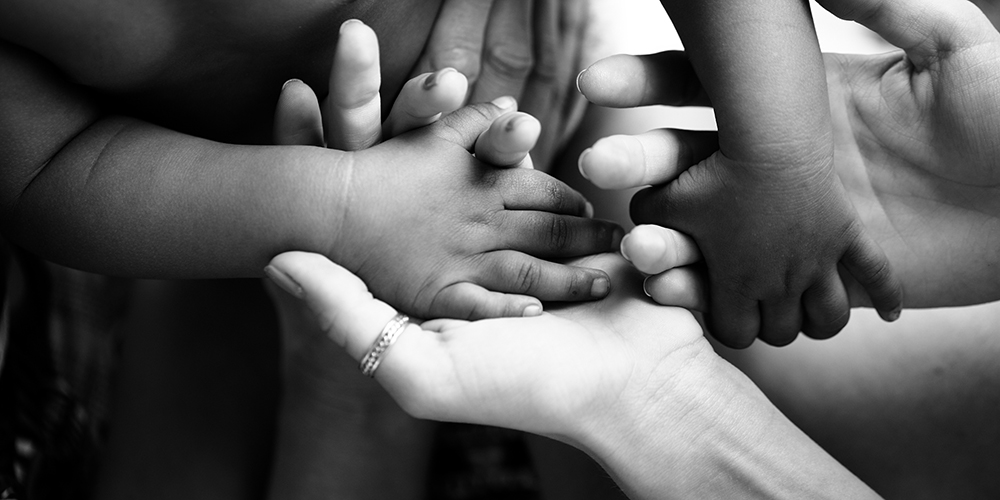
(389, 334)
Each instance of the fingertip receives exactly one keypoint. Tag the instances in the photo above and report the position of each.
(607, 164)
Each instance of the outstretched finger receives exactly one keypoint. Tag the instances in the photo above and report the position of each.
(868, 264)
(508, 140)
(653, 249)
(470, 301)
(625, 81)
(353, 109)
(297, 118)
(655, 157)
(424, 99)
(456, 40)
(923, 28)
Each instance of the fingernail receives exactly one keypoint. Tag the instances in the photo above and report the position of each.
(284, 281)
(646, 290)
(579, 76)
(290, 80)
(588, 211)
(600, 287)
(532, 310)
(894, 315)
(505, 102)
(579, 162)
(432, 79)
(348, 22)
(625, 254)
(512, 123)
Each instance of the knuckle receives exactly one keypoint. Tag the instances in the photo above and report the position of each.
(527, 277)
(559, 233)
(462, 58)
(511, 60)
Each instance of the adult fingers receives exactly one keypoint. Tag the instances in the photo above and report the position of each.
(510, 271)
(464, 126)
(653, 249)
(923, 28)
(655, 157)
(624, 81)
(508, 140)
(508, 54)
(353, 110)
(423, 100)
(456, 40)
(416, 370)
(471, 302)
(685, 287)
(868, 264)
(549, 235)
(297, 118)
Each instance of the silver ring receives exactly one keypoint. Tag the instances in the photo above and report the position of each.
(390, 332)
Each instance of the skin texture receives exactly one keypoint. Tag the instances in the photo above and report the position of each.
(662, 413)
(914, 138)
(766, 209)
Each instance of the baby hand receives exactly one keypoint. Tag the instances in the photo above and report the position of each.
(501, 137)
(772, 236)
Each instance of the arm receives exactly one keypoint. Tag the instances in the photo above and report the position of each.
(116, 195)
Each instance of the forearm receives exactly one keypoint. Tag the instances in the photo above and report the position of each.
(129, 198)
(718, 438)
(760, 63)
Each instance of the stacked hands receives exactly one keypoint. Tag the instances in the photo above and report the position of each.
(913, 183)
(480, 252)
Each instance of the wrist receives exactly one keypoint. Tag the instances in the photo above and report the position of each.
(707, 431)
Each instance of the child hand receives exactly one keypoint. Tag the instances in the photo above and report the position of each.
(505, 141)
(772, 274)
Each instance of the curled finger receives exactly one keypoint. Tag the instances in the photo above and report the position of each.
(515, 272)
(653, 249)
(685, 287)
(424, 99)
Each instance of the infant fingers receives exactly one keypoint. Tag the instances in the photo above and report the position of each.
(780, 320)
(533, 190)
(469, 301)
(547, 235)
(423, 99)
(508, 140)
(514, 272)
(827, 308)
(655, 157)
(654, 249)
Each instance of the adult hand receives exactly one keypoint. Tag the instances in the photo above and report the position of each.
(915, 137)
(524, 49)
(655, 405)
